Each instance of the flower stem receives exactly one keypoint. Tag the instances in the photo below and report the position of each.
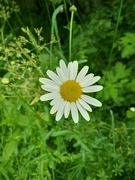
(115, 32)
(72, 9)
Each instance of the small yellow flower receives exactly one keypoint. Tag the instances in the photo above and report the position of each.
(66, 89)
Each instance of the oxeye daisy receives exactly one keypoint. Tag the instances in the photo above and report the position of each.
(67, 89)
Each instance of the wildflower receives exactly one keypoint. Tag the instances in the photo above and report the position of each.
(67, 91)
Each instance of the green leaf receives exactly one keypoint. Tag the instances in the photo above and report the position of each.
(29, 150)
(128, 45)
(120, 71)
(11, 145)
(60, 133)
(130, 114)
(132, 84)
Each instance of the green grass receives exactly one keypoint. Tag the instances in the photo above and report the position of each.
(33, 145)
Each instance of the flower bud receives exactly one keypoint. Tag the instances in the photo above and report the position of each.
(73, 8)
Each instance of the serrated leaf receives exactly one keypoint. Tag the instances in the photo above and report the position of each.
(118, 72)
(128, 45)
(121, 71)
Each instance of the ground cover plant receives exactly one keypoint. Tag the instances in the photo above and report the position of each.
(34, 37)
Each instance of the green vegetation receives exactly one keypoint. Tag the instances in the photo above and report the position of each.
(34, 36)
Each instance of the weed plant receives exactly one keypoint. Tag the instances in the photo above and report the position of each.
(34, 36)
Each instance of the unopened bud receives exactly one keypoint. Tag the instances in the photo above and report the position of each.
(73, 8)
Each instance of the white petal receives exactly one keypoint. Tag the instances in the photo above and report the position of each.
(48, 96)
(56, 107)
(61, 74)
(70, 70)
(55, 100)
(74, 112)
(83, 112)
(75, 69)
(53, 76)
(67, 109)
(91, 100)
(92, 89)
(60, 111)
(64, 68)
(50, 88)
(93, 80)
(42, 80)
(84, 105)
(47, 81)
(82, 73)
(86, 79)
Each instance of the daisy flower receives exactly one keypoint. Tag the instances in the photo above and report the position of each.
(67, 89)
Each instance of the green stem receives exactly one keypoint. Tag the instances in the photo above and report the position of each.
(70, 36)
(2, 34)
(72, 9)
(115, 32)
(113, 128)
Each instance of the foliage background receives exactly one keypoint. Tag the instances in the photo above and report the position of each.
(33, 145)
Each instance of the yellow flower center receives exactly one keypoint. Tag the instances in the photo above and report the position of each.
(71, 90)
